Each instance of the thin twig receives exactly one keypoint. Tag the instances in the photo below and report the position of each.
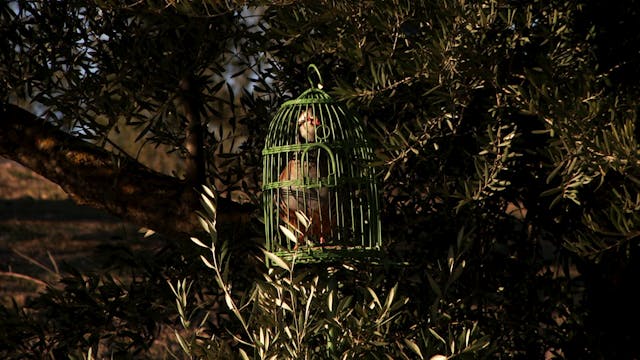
(24, 277)
(36, 262)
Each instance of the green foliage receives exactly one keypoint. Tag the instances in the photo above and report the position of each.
(482, 104)
(500, 119)
(300, 313)
(506, 133)
(93, 69)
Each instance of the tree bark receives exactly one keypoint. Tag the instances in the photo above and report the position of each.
(194, 139)
(95, 177)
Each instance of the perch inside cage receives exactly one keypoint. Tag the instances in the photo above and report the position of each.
(317, 183)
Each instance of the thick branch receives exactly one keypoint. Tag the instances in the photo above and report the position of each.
(95, 177)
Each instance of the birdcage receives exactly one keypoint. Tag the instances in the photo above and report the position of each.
(319, 193)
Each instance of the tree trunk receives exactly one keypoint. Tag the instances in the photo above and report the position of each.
(95, 177)
(194, 139)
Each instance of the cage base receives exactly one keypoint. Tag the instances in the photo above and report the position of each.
(326, 254)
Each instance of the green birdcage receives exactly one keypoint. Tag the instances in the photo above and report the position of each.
(319, 193)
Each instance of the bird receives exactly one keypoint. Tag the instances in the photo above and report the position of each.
(312, 202)
(306, 197)
(307, 125)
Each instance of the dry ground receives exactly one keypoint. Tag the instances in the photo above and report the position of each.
(40, 227)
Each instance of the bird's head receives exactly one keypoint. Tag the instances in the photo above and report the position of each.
(308, 123)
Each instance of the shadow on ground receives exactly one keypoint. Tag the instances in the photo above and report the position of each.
(29, 209)
(38, 237)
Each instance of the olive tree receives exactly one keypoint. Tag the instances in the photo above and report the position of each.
(505, 133)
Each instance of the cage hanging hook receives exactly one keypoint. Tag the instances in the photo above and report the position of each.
(310, 68)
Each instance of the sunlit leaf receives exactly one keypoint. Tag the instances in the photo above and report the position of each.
(205, 225)
(186, 348)
(283, 305)
(209, 207)
(330, 301)
(276, 260)
(437, 336)
(302, 217)
(390, 297)
(199, 243)
(229, 301)
(206, 262)
(243, 354)
(374, 297)
(414, 347)
(209, 191)
(288, 234)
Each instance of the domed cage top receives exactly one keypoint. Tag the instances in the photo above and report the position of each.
(318, 185)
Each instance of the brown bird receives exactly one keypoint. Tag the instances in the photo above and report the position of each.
(306, 196)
